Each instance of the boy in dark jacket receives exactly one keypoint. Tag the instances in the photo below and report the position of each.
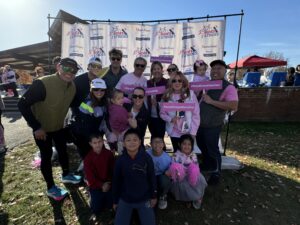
(134, 182)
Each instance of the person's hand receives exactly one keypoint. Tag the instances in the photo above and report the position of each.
(40, 134)
(132, 122)
(175, 119)
(168, 173)
(115, 206)
(106, 187)
(153, 202)
(206, 98)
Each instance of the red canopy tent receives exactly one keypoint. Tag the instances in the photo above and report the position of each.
(257, 61)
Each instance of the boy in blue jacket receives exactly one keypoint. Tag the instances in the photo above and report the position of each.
(134, 182)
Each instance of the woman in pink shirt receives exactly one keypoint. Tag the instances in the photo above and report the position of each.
(180, 122)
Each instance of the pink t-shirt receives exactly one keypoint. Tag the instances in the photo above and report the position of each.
(229, 94)
(131, 79)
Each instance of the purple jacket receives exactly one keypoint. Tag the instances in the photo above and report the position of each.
(118, 118)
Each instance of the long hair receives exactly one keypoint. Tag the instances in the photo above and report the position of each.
(185, 91)
(152, 68)
(98, 102)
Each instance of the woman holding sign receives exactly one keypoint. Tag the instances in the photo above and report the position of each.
(180, 109)
(157, 82)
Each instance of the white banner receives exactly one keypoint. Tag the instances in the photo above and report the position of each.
(185, 42)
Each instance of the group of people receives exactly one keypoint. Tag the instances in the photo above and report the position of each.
(117, 105)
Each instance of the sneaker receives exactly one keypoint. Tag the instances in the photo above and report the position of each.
(71, 179)
(57, 193)
(197, 204)
(162, 202)
(3, 150)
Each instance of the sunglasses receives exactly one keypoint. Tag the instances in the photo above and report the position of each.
(96, 66)
(176, 81)
(115, 59)
(171, 70)
(98, 89)
(138, 96)
(69, 69)
(140, 65)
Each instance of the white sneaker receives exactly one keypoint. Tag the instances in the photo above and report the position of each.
(162, 202)
(197, 204)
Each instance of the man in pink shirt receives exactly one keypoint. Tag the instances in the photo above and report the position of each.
(136, 79)
(213, 107)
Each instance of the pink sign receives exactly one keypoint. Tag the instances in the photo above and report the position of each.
(206, 85)
(175, 106)
(127, 88)
(162, 59)
(155, 90)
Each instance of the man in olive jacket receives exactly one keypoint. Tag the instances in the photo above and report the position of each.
(44, 106)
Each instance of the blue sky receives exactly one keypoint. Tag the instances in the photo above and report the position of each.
(268, 25)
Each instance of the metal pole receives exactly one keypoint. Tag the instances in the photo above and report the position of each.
(234, 80)
(49, 63)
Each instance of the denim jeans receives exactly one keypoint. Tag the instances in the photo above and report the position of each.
(124, 211)
(100, 200)
(208, 142)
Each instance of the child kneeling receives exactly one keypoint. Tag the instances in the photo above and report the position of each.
(98, 170)
(188, 183)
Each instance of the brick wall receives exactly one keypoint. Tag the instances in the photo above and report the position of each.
(276, 104)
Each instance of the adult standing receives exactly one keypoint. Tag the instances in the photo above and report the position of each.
(82, 82)
(134, 79)
(172, 70)
(139, 114)
(213, 106)
(180, 122)
(156, 125)
(44, 107)
(9, 80)
(115, 70)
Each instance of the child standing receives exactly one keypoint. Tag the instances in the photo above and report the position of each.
(118, 120)
(161, 162)
(98, 169)
(134, 183)
(188, 183)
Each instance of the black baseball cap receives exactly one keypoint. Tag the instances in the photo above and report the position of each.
(69, 62)
(218, 62)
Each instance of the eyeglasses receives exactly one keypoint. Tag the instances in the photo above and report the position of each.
(138, 96)
(176, 81)
(171, 70)
(140, 65)
(94, 66)
(69, 69)
(115, 59)
(98, 89)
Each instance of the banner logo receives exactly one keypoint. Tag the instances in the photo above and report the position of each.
(209, 31)
(165, 33)
(142, 52)
(188, 51)
(97, 51)
(118, 32)
(75, 33)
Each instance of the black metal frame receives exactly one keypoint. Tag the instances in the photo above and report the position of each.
(241, 14)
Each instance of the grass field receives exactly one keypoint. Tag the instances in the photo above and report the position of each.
(266, 191)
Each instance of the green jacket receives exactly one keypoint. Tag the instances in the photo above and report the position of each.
(51, 112)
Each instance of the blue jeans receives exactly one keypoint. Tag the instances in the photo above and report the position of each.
(124, 212)
(208, 142)
(100, 200)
